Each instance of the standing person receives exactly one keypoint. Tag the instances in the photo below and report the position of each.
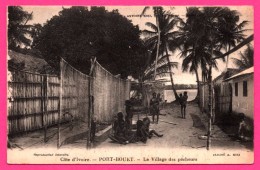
(184, 103)
(159, 100)
(181, 104)
(154, 106)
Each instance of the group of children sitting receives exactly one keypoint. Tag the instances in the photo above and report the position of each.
(123, 133)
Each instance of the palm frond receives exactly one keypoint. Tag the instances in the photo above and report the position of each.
(162, 60)
(242, 25)
(246, 59)
(170, 26)
(148, 33)
(161, 68)
(151, 40)
(152, 26)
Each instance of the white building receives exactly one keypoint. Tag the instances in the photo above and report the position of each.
(243, 92)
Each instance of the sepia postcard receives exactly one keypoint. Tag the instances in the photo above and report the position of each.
(130, 85)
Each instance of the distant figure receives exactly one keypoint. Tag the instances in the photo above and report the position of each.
(242, 126)
(160, 100)
(184, 104)
(159, 97)
(181, 102)
(154, 107)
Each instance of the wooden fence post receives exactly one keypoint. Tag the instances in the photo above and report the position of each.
(91, 102)
(210, 85)
(43, 100)
(46, 83)
(60, 103)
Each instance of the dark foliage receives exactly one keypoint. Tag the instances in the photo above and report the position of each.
(77, 34)
(17, 27)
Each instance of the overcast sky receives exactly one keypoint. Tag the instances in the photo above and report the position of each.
(43, 13)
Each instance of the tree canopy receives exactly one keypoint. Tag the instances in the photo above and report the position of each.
(17, 27)
(246, 59)
(79, 33)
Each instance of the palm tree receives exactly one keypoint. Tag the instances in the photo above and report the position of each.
(194, 45)
(190, 33)
(196, 58)
(246, 58)
(231, 32)
(17, 27)
(165, 32)
(203, 37)
(213, 21)
(163, 68)
(156, 11)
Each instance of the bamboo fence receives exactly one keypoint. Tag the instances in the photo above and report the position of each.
(37, 101)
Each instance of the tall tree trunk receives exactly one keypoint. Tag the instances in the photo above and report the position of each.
(198, 85)
(210, 85)
(158, 44)
(170, 70)
(196, 72)
(228, 49)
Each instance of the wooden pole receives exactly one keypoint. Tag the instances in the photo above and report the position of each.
(60, 103)
(210, 108)
(43, 100)
(89, 116)
(91, 102)
(46, 108)
(210, 100)
(159, 39)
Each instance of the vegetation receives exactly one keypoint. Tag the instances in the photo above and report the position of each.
(246, 59)
(206, 32)
(18, 28)
(161, 35)
(78, 33)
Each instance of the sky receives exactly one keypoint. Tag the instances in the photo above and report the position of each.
(43, 13)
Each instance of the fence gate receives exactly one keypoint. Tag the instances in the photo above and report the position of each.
(223, 99)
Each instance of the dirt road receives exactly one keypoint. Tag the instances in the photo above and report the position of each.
(181, 133)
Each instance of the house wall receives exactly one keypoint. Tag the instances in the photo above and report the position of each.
(240, 103)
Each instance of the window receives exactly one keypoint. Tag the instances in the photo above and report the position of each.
(236, 89)
(245, 88)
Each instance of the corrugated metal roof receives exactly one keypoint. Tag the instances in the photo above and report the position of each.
(244, 72)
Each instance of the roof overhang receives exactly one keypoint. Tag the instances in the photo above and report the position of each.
(242, 73)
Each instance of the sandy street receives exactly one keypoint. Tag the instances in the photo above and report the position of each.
(178, 133)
